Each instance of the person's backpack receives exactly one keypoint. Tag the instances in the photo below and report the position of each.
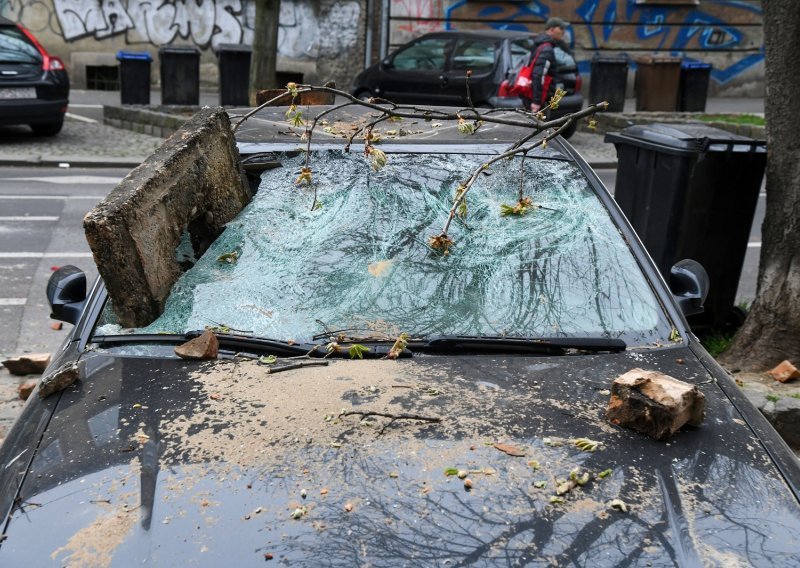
(522, 85)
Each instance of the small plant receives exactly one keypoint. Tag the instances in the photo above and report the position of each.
(716, 342)
(773, 397)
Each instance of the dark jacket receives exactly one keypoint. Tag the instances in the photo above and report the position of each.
(544, 63)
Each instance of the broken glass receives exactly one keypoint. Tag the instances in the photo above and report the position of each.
(361, 260)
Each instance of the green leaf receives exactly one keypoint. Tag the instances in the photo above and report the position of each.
(229, 257)
(357, 351)
(451, 471)
(605, 473)
(540, 484)
(268, 359)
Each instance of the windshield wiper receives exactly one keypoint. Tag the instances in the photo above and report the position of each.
(228, 342)
(545, 346)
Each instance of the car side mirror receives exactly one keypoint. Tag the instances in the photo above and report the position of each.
(689, 283)
(386, 63)
(66, 292)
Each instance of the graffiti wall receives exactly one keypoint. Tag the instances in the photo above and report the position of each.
(726, 33)
(308, 29)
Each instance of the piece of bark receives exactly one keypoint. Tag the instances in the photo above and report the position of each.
(30, 364)
(59, 379)
(26, 388)
(206, 346)
(654, 404)
(784, 372)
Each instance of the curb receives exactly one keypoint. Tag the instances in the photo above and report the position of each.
(72, 161)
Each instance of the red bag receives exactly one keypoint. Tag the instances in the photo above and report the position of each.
(523, 85)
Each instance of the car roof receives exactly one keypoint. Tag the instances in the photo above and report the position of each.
(496, 34)
(269, 128)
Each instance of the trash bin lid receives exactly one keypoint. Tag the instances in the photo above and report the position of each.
(615, 59)
(685, 139)
(238, 47)
(179, 49)
(135, 55)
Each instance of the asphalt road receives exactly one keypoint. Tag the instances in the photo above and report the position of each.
(41, 210)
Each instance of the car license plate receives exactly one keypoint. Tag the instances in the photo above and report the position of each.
(18, 93)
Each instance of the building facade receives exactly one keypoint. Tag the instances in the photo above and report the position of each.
(334, 39)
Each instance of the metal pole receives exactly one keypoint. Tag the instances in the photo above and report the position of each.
(368, 35)
(384, 27)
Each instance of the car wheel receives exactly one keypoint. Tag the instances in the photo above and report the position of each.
(364, 95)
(569, 131)
(47, 128)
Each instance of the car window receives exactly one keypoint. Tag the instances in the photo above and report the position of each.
(426, 55)
(520, 52)
(477, 55)
(16, 48)
(362, 261)
(563, 59)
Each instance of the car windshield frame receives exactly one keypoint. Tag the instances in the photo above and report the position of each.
(663, 316)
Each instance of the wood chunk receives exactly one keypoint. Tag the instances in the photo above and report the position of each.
(26, 388)
(784, 372)
(30, 364)
(654, 404)
(59, 379)
(205, 346)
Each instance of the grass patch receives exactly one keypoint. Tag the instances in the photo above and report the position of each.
(734, 118)
(773, 397)
(716, 342)
(795, 395)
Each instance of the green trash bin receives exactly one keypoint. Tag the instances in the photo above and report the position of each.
(657, 81)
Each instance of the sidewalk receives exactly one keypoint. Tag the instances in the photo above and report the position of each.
(86, 142)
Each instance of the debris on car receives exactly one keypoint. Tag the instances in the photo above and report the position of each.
(59, 379)
(204, 346)
(654, 404)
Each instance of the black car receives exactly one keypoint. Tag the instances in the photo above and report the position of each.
(458, 452)
(34, 86)
(432, 68)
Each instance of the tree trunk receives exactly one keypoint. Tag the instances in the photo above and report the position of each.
(771, 332)
(265, 47)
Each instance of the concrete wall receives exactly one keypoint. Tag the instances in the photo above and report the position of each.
(322, 39)
(726, 33)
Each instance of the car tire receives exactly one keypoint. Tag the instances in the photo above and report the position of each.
(363, 94)
(47, 128)
(570, 130)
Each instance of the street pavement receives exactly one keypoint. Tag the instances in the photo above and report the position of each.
(48, 184)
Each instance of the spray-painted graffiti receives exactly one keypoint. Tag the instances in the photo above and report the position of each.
(723, 27)
(305, 30)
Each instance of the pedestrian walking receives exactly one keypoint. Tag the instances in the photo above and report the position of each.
(535, 83)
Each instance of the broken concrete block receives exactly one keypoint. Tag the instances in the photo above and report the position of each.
(654, 404)
(59, 379)
(193, 183)
(30, 364)
(26, 388)
(206, 346)
(784, 372)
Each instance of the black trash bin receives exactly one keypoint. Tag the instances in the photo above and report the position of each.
(134, 77)
(690, 191)
(693, 90)
(608, 79)
(180, 75)
(234, 74)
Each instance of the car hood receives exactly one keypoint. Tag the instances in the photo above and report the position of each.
(170, 462)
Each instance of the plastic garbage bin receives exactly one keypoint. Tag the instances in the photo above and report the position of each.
(234, 74)
(690, 191)
(134, 77)
(180, 75)
(607, 82)
(657, 81)
(694, 86)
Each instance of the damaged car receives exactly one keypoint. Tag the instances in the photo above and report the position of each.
(317, 381)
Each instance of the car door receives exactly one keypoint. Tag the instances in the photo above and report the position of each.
(415, 74)
(478, 55)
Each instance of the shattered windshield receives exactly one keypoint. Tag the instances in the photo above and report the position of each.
(360, 260)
